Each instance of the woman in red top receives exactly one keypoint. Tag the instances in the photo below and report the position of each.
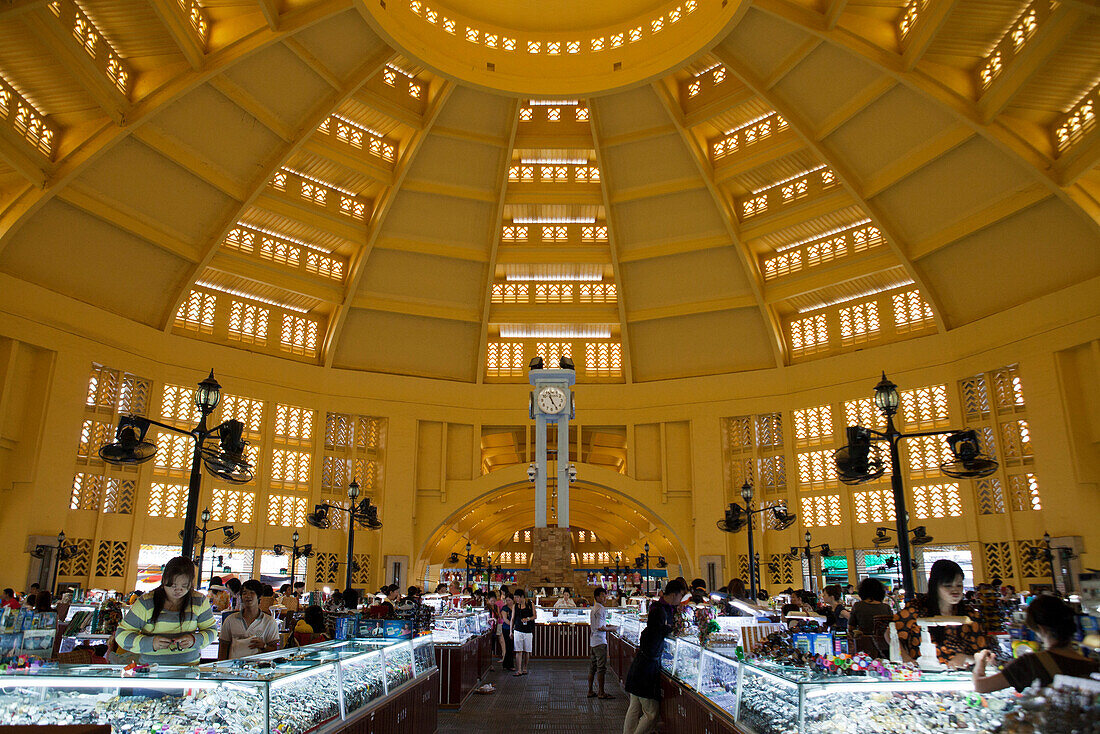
(956, 645)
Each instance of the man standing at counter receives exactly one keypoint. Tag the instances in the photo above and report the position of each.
(643, 681)
(597, 642)
(248, 631)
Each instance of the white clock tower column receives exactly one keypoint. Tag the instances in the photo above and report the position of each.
(551, 401)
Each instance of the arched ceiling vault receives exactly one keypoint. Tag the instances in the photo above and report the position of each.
(488, 521)
(287, 180)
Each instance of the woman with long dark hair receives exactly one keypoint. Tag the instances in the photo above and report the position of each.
(957, 644)
(173, 624)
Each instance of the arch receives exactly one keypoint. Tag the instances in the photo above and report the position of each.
(479, 520)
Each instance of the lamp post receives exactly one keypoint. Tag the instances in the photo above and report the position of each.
(295, 552)
(646, 547)
(854, 465)
(738, 517)
(229, 464)
(362, 512)
(230, 536)
(61, 552)
(825, 553)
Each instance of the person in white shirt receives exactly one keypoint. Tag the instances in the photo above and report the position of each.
(597, 642)
(248, 631)
(565, 601)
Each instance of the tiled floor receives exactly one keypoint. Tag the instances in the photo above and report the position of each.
(551, 700)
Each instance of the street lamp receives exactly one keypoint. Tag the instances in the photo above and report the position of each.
(469, 560)
(295, 552)
(228, 464)
(363, 513)
(824, 551)
(61, 552)
(646, 548)
(855, 464)
(229, 535)
(737, 518)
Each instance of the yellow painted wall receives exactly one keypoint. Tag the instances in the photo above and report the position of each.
(674, 478)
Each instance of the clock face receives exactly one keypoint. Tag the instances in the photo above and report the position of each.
(551, 400)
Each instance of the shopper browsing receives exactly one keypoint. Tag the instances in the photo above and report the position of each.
(250, 630)
(565, 601)
(1053, 621)
(172, 624)
(523, 631)
(10, 600)
(955, 645)
(643, 681)
(835, 612)
(597, 642)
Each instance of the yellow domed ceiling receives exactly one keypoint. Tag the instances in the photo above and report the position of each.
(324, 182)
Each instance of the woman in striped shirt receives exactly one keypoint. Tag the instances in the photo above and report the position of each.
(173, 624)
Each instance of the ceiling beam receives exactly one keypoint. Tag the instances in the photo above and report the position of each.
(915, 159)
(193, 161)
(861, 101)
(655, 190)
(543, 255)
(921, 35)
(675, 247)
(430, 247)
(729, 220)
(308, 126)
(325, 219)
(815, 279)
(358, 265)
(181, 31)
(265, 271)
(348, 157)
(834, 11)
(129, 220)
(1080, 159)
(270, 10)
(791, 60)
(309, 59)
(28, 162)
(713, 108)
(760, 154)
(100, 136)
(987, 216)
(634, 136)
(392, 110)
(847, 181)
(1048, 39)
(424, 307)
(244, 99)
(467, 193)
(690, 309)
(71, 55)
(814, 206)
(612, 236)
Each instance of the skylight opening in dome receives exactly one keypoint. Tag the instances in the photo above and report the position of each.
(288, 238)
(554, 220)
(326, 184)
(555, 331)
(829, 233)
(553, 102)
(750, 123)
(354, 124)
(250, 296)
(589, 273)
(857, 296)
(789, 178)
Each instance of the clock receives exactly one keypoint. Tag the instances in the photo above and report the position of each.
(551, 400)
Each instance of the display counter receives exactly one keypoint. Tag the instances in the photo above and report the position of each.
(321, 688)
(710, 690)
(462, 664)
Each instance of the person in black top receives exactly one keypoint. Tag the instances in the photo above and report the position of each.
(643, 681)
(836, 615)
(1053, 621)
(523, 631)
(391, 593)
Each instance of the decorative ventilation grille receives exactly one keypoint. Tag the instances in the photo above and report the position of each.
(167, 500)
(118, 496)
(1024, 490)
(86, 490)
(937, 501)
(324, 568)
(111, 559)
(821, 511)
(743, 566)
(286, 511)
(78, 563)
(991, 496)
(998, 560)
(361, 571)
(233, 506)
(1033, 562)
(781, 569)
(874, 506)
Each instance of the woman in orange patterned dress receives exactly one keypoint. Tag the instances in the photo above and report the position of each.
(955, 645)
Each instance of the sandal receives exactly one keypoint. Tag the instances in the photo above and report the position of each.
(605, 696)
(516, 675)
(591, 694)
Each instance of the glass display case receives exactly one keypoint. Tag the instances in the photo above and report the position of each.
(629, 627)
(565, 615)
(718, 675)
(312, 689)
(423, 654)
(453, 628)
(765, 698)
(777, 700)
(686, 666)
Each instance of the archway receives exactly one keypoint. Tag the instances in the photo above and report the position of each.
(488, 519)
